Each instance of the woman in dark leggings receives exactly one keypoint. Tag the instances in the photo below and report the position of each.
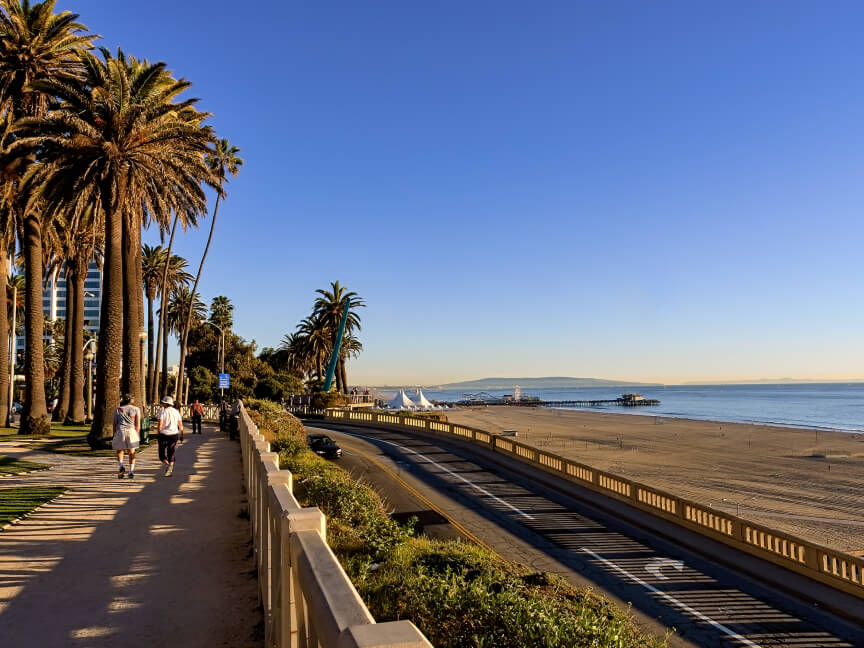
(170, 430)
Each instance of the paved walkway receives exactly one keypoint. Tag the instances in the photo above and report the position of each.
(158, 561)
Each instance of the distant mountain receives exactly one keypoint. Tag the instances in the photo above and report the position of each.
(561, 382)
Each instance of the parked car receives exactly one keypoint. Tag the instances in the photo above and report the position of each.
(323, 446)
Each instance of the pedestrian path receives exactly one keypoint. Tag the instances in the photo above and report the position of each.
(116, 562)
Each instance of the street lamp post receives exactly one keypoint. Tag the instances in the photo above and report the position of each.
(12, 356)
(142, 342)
(88, 356)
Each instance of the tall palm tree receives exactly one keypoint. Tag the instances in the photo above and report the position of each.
(223, 160)
(152, 267)
(329, 306)
(222, 315)
(222, 311)
(36, 46)
(122, 139)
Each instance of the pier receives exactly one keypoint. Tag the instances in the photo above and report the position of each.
(625, 400)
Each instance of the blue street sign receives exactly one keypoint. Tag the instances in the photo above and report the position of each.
(224, 381)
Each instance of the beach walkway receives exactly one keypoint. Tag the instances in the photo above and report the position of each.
(154, 561)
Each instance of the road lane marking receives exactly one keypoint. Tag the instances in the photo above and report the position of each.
(673, 600)
(657, 564)
(445, 469)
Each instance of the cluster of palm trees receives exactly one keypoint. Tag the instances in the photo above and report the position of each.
(95, 147)
(308, 350)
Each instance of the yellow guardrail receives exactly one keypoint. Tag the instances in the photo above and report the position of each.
(837, 569)
(307, 597)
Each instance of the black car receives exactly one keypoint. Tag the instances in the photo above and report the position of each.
(323, 446)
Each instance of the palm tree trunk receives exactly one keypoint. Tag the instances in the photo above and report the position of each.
(76, 413)
(59, 413)
(110, 347)
(4, 334)
(344, 375)
(186, 324)
(35, 419)
(163, 382)
(132, 307)
(339, 386)
(150, 345)
(162, 335)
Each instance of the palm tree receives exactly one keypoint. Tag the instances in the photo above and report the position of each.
(176, 277)
(121, 139)
(38, 46)
(222, 311)
(329, 307)
(152, 267)
(185, 309)
(295, 350)
(222, 315)
(223, 160)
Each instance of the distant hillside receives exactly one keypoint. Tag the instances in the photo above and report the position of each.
(561, 382)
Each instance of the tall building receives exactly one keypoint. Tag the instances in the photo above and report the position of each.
(54, 300)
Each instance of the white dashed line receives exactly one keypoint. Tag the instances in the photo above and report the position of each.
(671, 599)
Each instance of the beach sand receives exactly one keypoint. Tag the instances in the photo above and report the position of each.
(805, 482)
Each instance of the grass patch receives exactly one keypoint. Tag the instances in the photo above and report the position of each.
(58, 430)
(15, 502)
(10, 466)
(459, 595)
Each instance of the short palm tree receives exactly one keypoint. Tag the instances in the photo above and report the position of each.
(223, 161)
(176, 278)
(124, 140)
(37, 46)
(185, 309)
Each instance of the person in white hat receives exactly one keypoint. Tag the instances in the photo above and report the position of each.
(170, 429)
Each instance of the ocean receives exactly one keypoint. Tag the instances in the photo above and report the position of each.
(831, 406)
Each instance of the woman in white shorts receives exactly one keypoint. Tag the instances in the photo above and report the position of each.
(127, 434)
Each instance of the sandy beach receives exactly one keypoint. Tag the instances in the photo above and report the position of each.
(806, 482)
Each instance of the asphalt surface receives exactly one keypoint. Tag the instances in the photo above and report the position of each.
(456, 491)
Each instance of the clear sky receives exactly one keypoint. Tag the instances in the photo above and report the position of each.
(651, 191)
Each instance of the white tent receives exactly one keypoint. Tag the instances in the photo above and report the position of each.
(402, 401)
(422, 402)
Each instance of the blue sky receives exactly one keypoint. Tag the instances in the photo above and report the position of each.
(651, 191)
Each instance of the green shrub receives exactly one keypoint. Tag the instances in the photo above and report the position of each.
(458, 594)
(323, 400)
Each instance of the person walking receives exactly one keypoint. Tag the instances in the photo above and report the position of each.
(197, 414)
(127, 434)
(170, 429)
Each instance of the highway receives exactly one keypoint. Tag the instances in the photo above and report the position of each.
(455, 491)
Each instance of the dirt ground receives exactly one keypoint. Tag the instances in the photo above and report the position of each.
(806, 482)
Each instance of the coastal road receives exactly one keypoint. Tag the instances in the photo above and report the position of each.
(458, 491)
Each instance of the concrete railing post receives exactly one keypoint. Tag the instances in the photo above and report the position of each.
(395, 634)
(294, 632)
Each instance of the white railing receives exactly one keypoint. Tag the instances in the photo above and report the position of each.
(307, 598)
(211, 412)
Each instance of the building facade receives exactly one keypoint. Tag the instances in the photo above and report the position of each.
(54, 301)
